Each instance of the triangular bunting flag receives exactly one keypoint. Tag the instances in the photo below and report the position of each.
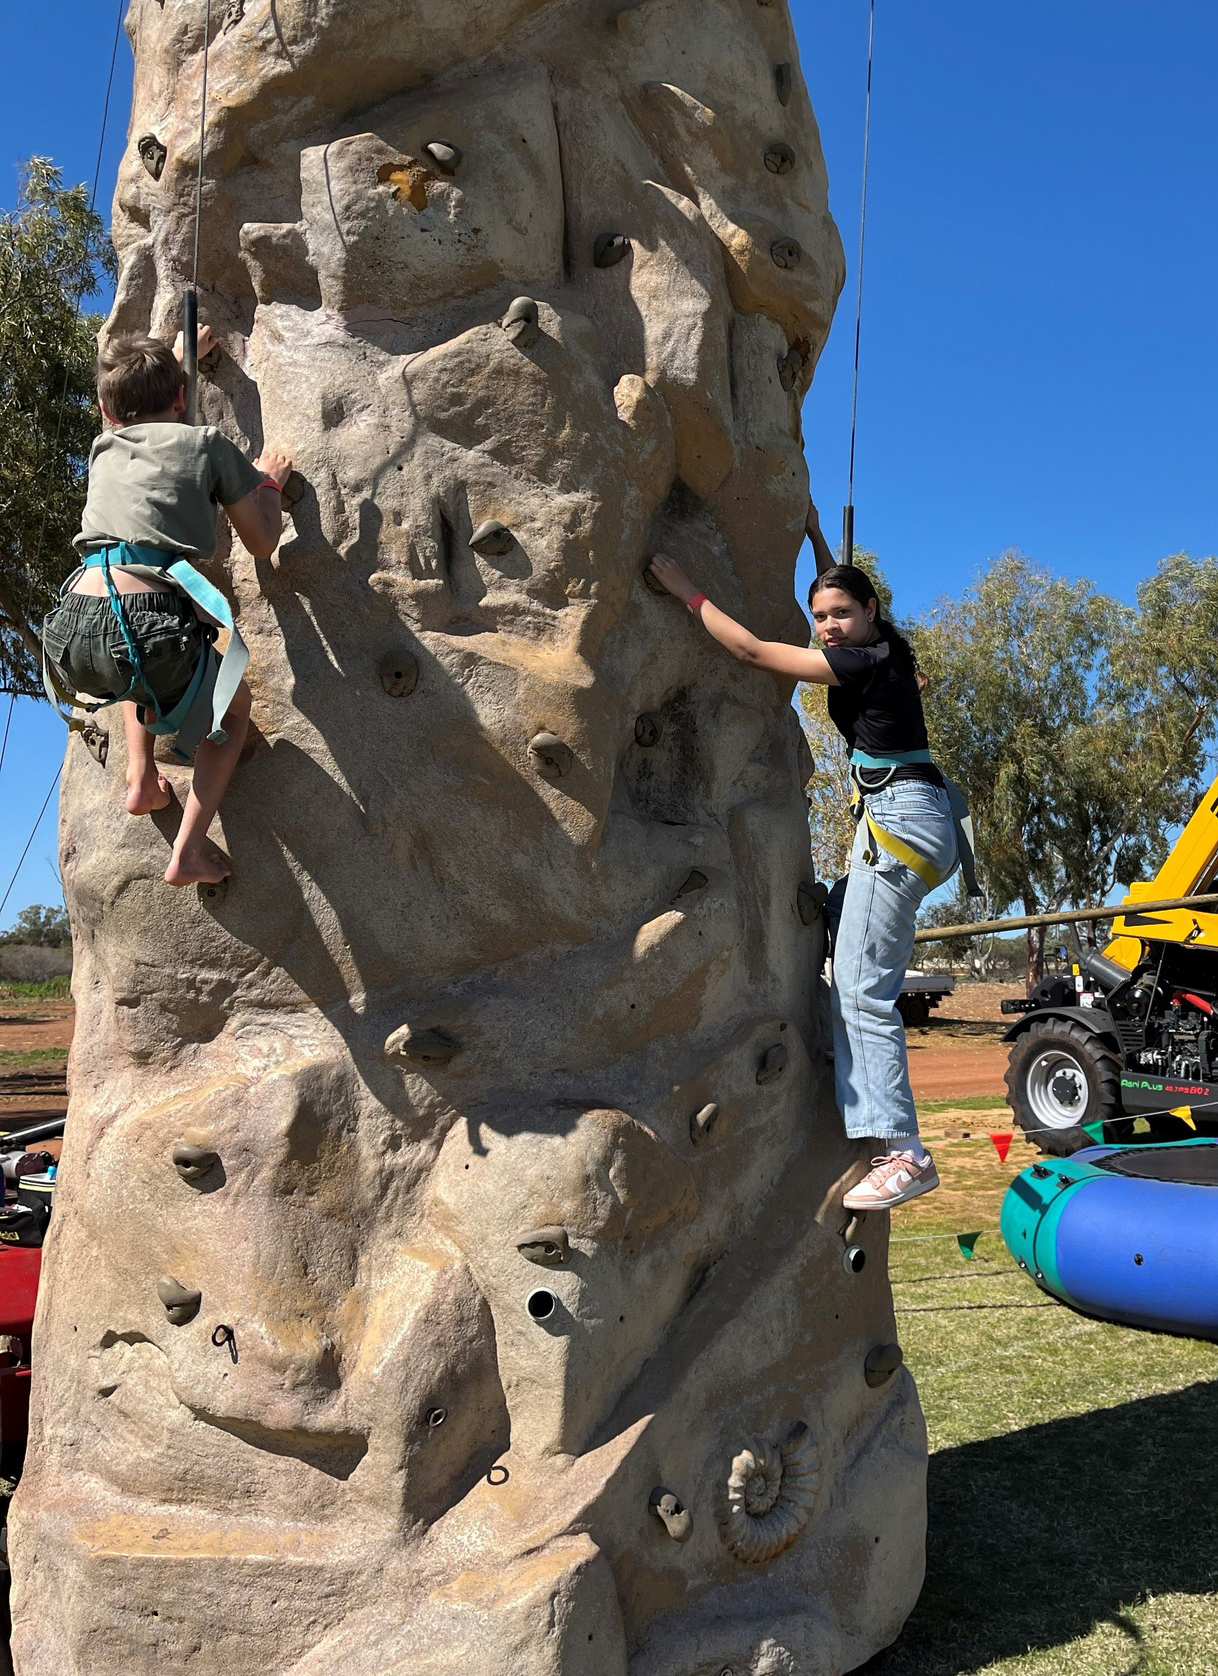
(968, 1242)
(1185, 1114)
(1095, 1131)
(1002, 1145)
(1141, 1126)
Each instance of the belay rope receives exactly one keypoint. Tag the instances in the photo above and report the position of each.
(848, 509)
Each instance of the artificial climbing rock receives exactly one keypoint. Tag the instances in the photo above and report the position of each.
(526, 1186)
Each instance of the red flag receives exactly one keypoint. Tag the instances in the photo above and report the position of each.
(1002, 1145)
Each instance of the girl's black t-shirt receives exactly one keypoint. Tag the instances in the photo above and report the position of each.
(877, 707)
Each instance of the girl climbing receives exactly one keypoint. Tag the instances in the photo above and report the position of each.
(906, 845)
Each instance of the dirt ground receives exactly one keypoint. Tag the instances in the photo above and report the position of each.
(960, 1053)
(33, 1035)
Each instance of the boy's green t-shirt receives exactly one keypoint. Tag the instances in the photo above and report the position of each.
(162, 485)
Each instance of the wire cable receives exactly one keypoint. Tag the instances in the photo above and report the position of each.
(848, 516)
(30, 839)
(8, 722)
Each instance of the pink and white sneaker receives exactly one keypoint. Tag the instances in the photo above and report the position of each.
(894, 1180)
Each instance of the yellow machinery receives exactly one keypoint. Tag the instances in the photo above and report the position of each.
(1134, 1031)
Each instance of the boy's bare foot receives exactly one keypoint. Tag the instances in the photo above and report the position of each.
(205, 866)
(145, 795)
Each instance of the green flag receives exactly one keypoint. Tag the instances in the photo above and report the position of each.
(1095, 1131)
(968, 1244)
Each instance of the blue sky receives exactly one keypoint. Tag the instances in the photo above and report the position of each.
(1040, 344)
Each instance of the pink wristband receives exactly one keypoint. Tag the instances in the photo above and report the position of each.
(696, 601)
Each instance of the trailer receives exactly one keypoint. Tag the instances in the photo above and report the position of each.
(920, 992)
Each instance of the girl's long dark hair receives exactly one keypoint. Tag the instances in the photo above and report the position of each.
(855, 582)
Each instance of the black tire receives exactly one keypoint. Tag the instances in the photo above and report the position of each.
(1060, 1076)
(914, 1010)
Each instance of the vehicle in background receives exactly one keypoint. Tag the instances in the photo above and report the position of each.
(920, 992)
(1133, 1031)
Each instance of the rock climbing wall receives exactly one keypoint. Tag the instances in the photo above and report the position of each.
(448, 1270)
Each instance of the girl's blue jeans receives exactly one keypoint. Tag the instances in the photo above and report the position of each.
(871, 916)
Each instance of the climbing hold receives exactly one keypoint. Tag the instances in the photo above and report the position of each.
(550, 1247)
(609, 249)
(773, 1063)
(783, 83)
(193, 1162)
(541, 1304)
(647, 730)
(678, 1520)
(446, 157)
(152, 154)
(854, 1259)
(421, 1046)
(181, 1304)
(292, 492)
(779, 158)
(96, 742)
(771, 1491)
(696, 879)
(436, 1417)
(785, 253)
(550, 757)
(702, 1122)
(810, 899)
(520, 322)
(652, 581)
(853, 1231)
(399, 673)
(881, 1363)
(789, 369)
(211, 895)
(492, 539)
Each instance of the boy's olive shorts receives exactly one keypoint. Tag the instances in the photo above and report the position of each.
(85, 646)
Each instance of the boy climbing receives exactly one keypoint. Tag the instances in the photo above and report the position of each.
(136, 622)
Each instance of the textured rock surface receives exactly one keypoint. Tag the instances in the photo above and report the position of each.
(535, 1362)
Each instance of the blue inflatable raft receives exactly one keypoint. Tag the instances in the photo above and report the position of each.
(1126, 1233)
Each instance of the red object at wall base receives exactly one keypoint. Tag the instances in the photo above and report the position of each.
(20, 1268)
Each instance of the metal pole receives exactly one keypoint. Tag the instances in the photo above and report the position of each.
(190, 349)
(1072, 916)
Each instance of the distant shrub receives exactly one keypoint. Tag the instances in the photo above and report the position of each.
(23, 963)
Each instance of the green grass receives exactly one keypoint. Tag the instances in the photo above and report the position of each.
(1073, 1529)
(48, 989)
(967, 1103)
(24, 1058)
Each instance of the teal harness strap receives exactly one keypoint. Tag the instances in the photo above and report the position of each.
(894, 759)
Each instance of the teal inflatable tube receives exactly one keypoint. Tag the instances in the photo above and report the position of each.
(1129, 1234)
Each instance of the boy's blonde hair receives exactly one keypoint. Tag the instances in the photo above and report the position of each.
(137, 376)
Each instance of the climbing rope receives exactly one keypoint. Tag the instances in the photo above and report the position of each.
(848, 510)
(190, 298)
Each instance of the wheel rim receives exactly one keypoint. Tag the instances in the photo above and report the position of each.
(1057, 1089)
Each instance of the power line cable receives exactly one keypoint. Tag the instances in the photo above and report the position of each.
(30, 839)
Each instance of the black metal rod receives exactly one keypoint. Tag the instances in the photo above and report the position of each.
(848, 534)
(190, 350)
(46, 1131)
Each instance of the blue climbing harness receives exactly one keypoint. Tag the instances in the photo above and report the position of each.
(190, 717)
